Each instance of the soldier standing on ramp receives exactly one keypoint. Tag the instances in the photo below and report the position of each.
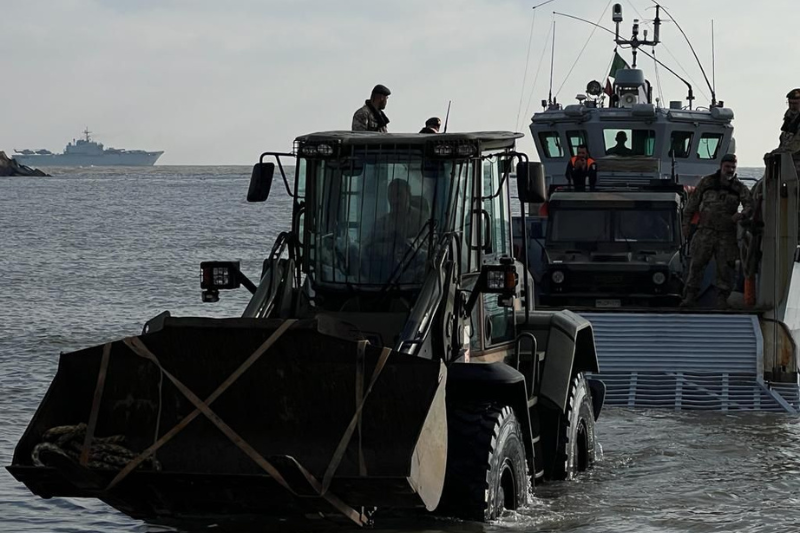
(716, 200)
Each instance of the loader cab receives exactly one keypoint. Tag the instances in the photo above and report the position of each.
(377, 216)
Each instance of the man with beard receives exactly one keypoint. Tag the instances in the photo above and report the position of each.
(371, 117)
(715, 203)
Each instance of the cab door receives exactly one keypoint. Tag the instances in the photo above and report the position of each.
(493, 325)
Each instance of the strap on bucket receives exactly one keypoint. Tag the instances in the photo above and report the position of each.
(355, 421)
(140, 349)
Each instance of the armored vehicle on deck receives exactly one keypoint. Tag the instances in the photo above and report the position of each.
(613, 248)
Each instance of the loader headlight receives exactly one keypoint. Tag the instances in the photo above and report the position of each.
(557, 277)
(324, 149)
(500, 278)
(220, 275)
(659, 278)
(443, 149)
(466, 149)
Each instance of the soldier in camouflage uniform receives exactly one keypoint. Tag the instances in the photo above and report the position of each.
(371, 117)
(715, 201)
(790, 131)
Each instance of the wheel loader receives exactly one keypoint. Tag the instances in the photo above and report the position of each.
(388, 362)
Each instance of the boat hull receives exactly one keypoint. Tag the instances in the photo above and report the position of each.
(123, 159)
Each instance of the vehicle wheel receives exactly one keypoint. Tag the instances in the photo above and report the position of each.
(486, 464)
(575, 440)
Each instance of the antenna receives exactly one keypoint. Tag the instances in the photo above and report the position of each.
(447, 116)
(699, 64)
(634, 42)
(618, 13)
(527, 58)
(552, 60)
(713, 64)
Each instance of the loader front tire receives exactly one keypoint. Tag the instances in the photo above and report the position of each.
(486, 464)
(575, 439)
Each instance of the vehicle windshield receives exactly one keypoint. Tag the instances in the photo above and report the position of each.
(376, 216)
(612, 225)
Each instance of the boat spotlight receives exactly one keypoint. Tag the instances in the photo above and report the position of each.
(616, 13)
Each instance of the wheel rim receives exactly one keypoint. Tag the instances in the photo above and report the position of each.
(582, 451)
(507, 492)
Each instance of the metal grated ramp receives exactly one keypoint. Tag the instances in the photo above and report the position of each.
(686, 362)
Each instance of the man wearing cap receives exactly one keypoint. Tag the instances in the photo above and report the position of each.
(715, 201)
(432, 125)
(790, 131)
(371, 117)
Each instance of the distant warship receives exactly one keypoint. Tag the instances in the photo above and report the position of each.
(85, 152)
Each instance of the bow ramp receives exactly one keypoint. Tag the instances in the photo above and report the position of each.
(686, 361)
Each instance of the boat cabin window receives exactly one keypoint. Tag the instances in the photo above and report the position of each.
(551, 143)
(625, 142)
(681, 144)
(708, 146)
(576, 138)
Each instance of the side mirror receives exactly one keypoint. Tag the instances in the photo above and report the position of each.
(260, 182)
(530, 182)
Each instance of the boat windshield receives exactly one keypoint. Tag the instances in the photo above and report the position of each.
(612, 225)
(377, 216)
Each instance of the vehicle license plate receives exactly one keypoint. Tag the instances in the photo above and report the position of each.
(608, 303)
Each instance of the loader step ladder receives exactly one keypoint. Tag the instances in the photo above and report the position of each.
(686, 362)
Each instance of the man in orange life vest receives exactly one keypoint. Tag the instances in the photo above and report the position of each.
(579, 168)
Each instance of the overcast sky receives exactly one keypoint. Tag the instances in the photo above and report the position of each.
(218, 82)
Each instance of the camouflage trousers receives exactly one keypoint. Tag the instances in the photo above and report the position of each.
(723, 248)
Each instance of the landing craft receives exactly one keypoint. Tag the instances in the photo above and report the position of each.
(617, 255)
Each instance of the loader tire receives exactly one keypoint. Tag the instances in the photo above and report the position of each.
(575, 446)
(486, 464)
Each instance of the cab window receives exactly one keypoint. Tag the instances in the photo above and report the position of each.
(551, 143)
(709, 145)
(680, 144)
(576, 138)
(626, 143)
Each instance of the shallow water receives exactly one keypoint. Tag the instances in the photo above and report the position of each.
(90, 254)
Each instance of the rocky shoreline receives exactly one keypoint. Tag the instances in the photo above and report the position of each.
(10, 167)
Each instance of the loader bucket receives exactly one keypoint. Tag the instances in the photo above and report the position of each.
(235, 432)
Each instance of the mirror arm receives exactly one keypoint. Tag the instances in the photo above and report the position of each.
(277, 156)
(529, 297)
(475, 294)
(244, 280)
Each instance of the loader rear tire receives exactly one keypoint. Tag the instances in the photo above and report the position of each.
(575, 446)
(486, 464)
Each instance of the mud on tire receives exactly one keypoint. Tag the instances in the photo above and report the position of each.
(486, 464)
